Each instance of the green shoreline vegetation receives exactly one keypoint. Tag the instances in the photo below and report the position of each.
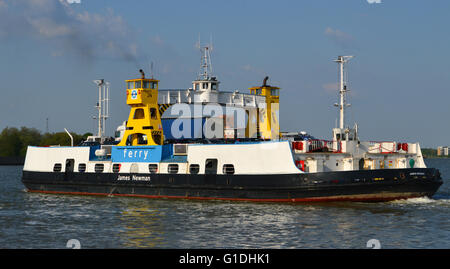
(14, 141)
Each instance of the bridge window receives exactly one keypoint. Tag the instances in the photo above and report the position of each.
(130, 85)
(154, 85)
(138, 84)
(153, 113)
(205, 86)
(146, 84)
(214, 86)
(275, 92)
(139, 114)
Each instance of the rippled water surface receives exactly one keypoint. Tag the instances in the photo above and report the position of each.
(29, 220)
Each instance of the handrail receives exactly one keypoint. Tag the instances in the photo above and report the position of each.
(71, 137)
(316, 145)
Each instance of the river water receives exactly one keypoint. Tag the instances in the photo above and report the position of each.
(31, 221)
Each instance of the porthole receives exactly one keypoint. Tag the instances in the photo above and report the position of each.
(82, 167)
(228, 169)
(57, 167)
(116, 167)
(153, 168)
(194, 169)
(172, 169)
(99, 167)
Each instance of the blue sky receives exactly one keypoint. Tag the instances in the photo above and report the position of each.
(399, 79)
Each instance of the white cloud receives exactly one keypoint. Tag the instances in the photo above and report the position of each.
(341, 38)
(247, 67)
(338, 34)
(87, 34)
(374, 1)
(49, 28)
(157, 40)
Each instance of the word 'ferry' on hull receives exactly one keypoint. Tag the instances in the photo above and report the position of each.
(201, 143)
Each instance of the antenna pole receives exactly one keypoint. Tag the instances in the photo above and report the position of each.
(101, 106)
(342, 89)
(151, 69)
(206, 66)
(100, 109)
(341, 93)
(106, 106)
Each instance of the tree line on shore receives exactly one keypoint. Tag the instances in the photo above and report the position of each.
(430, 153)
(14, 141)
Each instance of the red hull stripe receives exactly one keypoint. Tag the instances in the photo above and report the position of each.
(360, 198)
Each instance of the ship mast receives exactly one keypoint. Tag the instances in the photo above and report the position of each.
(206, 66)
(341, 60)
(102, 105)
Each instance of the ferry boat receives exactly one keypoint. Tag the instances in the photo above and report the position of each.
(163, 152)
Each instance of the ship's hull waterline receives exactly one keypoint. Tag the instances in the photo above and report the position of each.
(362, 185)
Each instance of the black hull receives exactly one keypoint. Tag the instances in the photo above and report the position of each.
(363, 185)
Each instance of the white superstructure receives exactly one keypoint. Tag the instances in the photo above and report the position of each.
(272, 157)
(345, 152)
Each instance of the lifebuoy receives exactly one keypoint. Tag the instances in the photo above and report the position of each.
(405, 146)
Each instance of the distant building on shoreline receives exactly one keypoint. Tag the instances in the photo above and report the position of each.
(442, 151)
